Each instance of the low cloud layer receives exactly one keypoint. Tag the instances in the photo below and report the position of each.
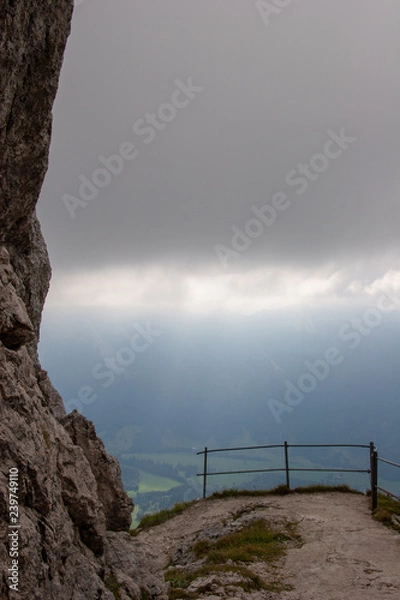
(244, 292)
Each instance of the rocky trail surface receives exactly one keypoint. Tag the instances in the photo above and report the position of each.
(339, 551)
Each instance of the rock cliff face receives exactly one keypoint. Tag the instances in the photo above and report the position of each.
(73, 511)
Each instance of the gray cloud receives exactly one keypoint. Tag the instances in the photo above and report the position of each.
(269, 97)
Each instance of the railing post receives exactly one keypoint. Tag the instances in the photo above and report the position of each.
(287, 466)
(205, 473)
(374, 476)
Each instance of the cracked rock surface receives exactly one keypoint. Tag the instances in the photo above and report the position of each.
(73, 511)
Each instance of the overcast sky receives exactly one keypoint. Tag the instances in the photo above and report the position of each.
(226, 155)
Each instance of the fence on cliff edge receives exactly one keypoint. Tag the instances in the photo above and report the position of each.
(372, 469)
(388, 462)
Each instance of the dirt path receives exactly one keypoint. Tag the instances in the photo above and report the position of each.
(345, 555)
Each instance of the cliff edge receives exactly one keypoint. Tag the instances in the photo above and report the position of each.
(306, 546)
(67, 534)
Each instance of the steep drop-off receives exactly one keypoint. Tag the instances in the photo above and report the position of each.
(73, 512)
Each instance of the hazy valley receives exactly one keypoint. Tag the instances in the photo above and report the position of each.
(160, 388)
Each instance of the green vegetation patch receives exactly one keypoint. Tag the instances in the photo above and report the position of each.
(255, 541)
(387, 507)
(248, 581)
(318, 489)
(149, 521)
(282, 490)
(230, 554)
(157, 518)
(111, 583)
(149, 482)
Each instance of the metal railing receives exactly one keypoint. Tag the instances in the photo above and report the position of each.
(287, 469)
(393, 464)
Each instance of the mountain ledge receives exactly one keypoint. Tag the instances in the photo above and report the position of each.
(73, 511)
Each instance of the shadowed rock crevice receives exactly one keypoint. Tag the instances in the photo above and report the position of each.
(16, 328)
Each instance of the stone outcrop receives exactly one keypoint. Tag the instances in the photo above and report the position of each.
(116, 505)
(73, 512)
(16, 328)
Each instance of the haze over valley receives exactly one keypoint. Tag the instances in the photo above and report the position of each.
(223, 381)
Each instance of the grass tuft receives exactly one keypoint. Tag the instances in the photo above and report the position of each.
(387, 507)
(255, 541)
(149, 521)
(180, 580)
(317, 489)
(283, 490)
(280, 490)
(230, 554)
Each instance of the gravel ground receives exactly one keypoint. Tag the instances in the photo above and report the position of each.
(344, 555)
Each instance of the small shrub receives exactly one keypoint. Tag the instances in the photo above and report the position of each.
(178, 578)
(46, 437)
(111, 583)
(280, 490)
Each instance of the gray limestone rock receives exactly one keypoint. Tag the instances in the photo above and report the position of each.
(69, 491)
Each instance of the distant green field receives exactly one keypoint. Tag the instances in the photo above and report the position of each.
(172, 458)
(135, 520)
(217, 461)
(242, 461)
(150, 483)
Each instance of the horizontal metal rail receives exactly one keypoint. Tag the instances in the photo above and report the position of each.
(282, 446)
(240, 448)
(239, 472)
(328, 445)
(334, 470)
(388, 493)
(287, 469)
(388, 462)
(393, 464)
(372, 471)
(283, 470)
